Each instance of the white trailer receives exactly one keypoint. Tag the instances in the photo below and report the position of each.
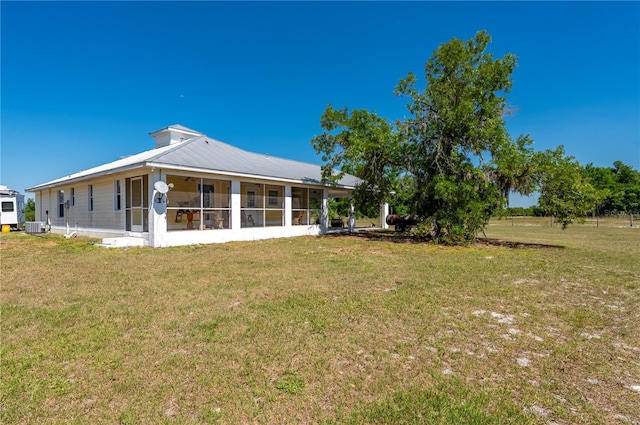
(12, 211)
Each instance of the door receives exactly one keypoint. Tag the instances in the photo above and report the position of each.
(136, 204)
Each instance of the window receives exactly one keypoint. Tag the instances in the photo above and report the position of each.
(7, 206)
(73, 196)
(60, 203)
(117, 196)
(90, 195)
(273, 198)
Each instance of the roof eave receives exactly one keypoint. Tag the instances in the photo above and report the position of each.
(72, 179)
(245, 175)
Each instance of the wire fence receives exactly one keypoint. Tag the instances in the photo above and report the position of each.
(619, 220)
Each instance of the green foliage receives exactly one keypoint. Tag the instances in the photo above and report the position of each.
(362, 144)
(619, 186)
(451, 161)
(404, 191)
(339, 207)
(30, 210)
(564, 192)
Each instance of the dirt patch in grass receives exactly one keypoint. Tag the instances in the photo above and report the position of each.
(407, 237)
(515, 245)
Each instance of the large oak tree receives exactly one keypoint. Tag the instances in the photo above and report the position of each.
(454, 145)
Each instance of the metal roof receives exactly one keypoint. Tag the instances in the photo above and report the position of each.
(204, 154)
(4, 190)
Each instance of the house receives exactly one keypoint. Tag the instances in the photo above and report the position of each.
(190, 189)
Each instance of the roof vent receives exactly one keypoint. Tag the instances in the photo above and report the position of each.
(172, 135)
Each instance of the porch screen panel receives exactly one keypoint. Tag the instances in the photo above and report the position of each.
(183, 203)
(196, 203)
(315, 206)
(274, 205)
(299, 206)
(251, 205)
(216, 202)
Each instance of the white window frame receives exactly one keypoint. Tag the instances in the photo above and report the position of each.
(90, 197)
(117, 195)
(60, 196)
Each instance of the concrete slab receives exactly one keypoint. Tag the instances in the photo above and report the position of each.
(123, 242)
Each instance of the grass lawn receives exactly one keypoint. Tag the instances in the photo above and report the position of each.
(534, 326)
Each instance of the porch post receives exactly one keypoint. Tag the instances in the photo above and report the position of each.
(384, 212)
(287, 206)
(235, 205)
(324, 212)
(157, 212)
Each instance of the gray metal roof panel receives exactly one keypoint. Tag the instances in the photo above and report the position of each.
(122, 163)
(205, 153)
(210, 154)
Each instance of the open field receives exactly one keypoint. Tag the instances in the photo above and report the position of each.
(533, 326)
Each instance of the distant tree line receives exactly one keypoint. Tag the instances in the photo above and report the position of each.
(617, 192)
(618, 187)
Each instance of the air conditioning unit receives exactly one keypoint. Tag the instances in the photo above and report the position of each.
(32, 227)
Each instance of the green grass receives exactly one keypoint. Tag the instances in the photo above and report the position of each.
(533, 326)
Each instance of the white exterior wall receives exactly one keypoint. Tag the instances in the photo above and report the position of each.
(104, 215)
(191, 237)
(46, 201)
(103, 221)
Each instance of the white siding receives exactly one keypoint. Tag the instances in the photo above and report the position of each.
(103, 219)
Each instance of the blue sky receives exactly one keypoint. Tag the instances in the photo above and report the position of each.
(83, 83)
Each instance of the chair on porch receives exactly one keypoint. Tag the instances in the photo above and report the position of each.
(246, 219)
